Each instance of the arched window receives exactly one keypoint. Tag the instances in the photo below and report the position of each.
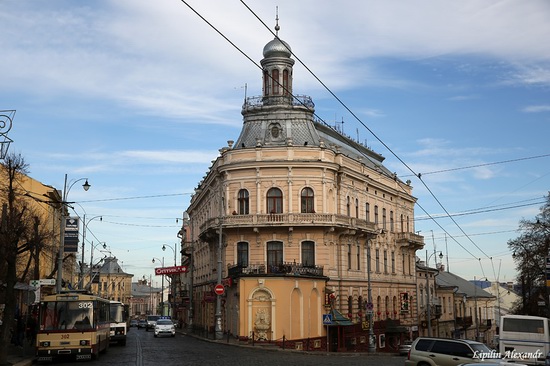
(243, 204)
(348, 208)
(308, 253)
(274, 201)
(356, 208)
(391, 222)
(275, 82)
(384, 218)
(286, 90)
(242, 254)
(266, 83)
(367, 212)
(307, 200)
(376, 214)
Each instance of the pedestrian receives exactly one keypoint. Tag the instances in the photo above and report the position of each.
(19, 331)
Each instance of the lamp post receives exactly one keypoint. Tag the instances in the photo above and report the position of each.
(218, 315)
(92, 260)
(84, 227)
(187, 223)
(428, 307)
(63, 208)
(162, 285)
(173, 277)
(372, 346)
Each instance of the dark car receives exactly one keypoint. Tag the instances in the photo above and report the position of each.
(134, 323)
(142, 323)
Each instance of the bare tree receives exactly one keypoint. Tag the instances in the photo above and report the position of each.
(530, 251)
(12, 228)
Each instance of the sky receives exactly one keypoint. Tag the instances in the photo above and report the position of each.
(138, 97)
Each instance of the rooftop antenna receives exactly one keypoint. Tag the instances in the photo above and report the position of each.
(277, 22)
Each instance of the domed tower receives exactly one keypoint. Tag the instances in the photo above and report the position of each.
(278, 117)
(277, 71)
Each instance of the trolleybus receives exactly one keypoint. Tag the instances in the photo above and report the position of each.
(72, 324)
(119, 315)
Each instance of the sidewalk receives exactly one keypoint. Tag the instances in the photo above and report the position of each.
(20, 356)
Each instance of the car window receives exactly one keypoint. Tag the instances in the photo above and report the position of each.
(452, 348)
(423, 345)
(164, 322)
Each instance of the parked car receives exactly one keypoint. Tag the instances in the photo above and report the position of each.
(449, 352)
(501, 363)
(142, 323)
(404, 348)
(134, 323)
(165, 327)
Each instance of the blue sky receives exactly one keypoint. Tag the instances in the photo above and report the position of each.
(138, 97)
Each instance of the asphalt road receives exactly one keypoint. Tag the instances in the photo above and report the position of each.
(143, 349)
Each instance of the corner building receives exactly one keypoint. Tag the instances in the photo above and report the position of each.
(297, 209)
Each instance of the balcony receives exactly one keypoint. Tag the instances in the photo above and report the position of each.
(262, 101)
(464, 322)
(414, 241)
(291, 219)
(285, 269)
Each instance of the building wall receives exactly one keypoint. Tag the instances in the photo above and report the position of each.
(339, 227)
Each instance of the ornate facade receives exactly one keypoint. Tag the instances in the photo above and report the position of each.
(295, 214)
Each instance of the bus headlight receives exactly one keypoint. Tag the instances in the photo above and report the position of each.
(84, 343)
(45, 344)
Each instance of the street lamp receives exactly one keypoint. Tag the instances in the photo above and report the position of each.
(162, 285)
(428, 307)
(92, 261)
(172, 278)
(84, 227)
(64, 203)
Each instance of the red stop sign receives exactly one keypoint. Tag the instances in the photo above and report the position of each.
(219, 289)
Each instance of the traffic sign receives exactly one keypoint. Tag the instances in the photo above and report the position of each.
(327, 319)
(369, 306)
(43, 282)
(219, 289)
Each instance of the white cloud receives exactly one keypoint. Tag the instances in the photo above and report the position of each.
(536, 109)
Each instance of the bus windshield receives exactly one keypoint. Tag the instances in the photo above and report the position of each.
(118, 314)
(63, 315)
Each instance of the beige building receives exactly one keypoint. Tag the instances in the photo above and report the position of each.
(294, 214)
(108, 280)
(39, 260)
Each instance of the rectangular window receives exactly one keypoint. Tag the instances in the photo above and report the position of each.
(308, 253)
(242, 254)
(385, 261)
(377, 258)
(392, 262)
(391, 222)
(384, 218)
(358, 257)
(274, 253)
(367, 212)
(349, 256)
(376, 215)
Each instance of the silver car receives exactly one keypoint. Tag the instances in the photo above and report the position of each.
(449, 352)
(165, 327)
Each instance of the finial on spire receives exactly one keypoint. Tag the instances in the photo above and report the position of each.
(277, 21)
